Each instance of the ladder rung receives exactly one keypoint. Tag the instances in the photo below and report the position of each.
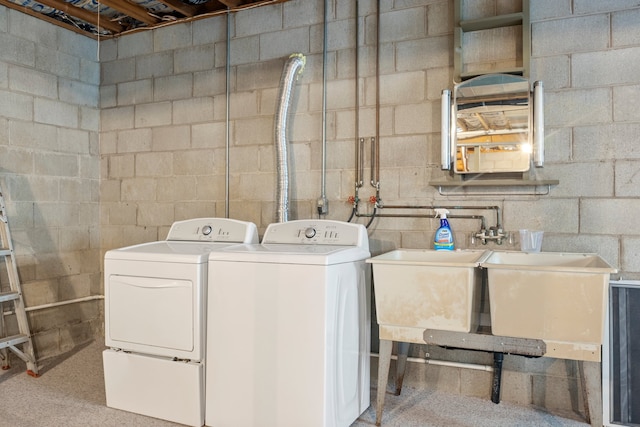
(13, 340)
(5, 251)
(9, 296)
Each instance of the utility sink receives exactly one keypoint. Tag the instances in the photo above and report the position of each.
(551, 296)
(427, 289)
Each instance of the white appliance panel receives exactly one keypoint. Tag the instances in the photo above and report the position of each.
(156, 387)
(301, 358)
(155, 308)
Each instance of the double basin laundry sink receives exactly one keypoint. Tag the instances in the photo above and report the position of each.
(552, 296)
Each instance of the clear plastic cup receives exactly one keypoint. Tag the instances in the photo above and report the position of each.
(530, 240)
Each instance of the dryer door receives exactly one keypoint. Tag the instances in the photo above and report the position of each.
(154, 315)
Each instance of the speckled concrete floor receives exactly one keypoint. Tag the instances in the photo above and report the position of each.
(70, 393)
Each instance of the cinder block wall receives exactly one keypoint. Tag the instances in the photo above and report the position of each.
(49, 171)
(163, 127)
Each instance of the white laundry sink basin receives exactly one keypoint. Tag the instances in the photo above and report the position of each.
(427, 289)
(548, 295)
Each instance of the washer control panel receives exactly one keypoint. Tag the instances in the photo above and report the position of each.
(319, 232)
(214, 230)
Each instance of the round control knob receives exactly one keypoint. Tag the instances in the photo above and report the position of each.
(206, 230)
(309, 232)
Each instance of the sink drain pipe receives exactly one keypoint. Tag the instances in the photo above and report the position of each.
(497, 376)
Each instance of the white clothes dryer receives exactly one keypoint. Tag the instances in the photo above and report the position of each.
(155, 319)
(288, 332)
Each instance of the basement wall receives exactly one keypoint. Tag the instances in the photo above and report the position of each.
(49, 172)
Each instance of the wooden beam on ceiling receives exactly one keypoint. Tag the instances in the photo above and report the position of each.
(46, 18)
(136, 12)
(83, 14)
(185, 9)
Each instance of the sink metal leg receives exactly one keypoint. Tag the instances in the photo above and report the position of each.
(590, 377)
(401, 365)
(384, 360)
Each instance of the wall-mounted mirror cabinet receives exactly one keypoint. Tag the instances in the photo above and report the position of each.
(492, 124)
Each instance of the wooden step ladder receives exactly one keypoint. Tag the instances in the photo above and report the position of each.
(13, 297)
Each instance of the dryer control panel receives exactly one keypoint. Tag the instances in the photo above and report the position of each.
(214, 230)
(319, 232)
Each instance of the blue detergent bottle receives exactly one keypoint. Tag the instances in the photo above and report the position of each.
(443, 240)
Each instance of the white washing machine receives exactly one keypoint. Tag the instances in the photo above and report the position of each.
(155, 319)
(288, 332)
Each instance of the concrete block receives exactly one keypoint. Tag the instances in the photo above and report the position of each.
(577, 34)
(627, 181)
(74, 239)
(550, 215)
(32, 135)
(108, 96)
(403, 151)
(134, 45)
(179, 86)
(193, 162)
(75, 190)
(430, 52)
(439, 16)
(606, 142)
(608, 247)
(176, 188)
(116, 118)
(340, 95)
(475, 383)
(154, 65)
(399, 88)
(193, 110)
(623, 31)
(197, 58)
(171, 37)
(155, 214)
(53, 214)
(585, 6)
(340, 35)
(554, 71)
(119, 71)
(594, 69)
(282, 43)
(571, 176)
(89, 71)
(300, 14)
(304, 127)
(72, 141)
(16, 160)
(110, 189)
(210, 30)
(626, 103)
(630, 261)
(170, 138)
(108, 143)
(546, 9)
(40, 292)
(4, 76)
(33, 82)
(16, 105)
(403, 24)
(150, 115)
(189, 210)
(261, 75)
(138, 189)
(76, 44)
(58, 63)
(78, 93)
(90, 121)
(32, 188)
(154, 164)
(345, 125)
(55, 112)
(17, 50)
(136, 140)
(616, 219)
(135, 92)
(208, 83)
(415, 118)
(108, 50)
(208, 135)
(245, 50)
(568, 107)
(243, 105)
(257, 21)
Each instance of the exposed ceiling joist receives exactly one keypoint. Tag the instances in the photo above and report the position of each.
(112, 18)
